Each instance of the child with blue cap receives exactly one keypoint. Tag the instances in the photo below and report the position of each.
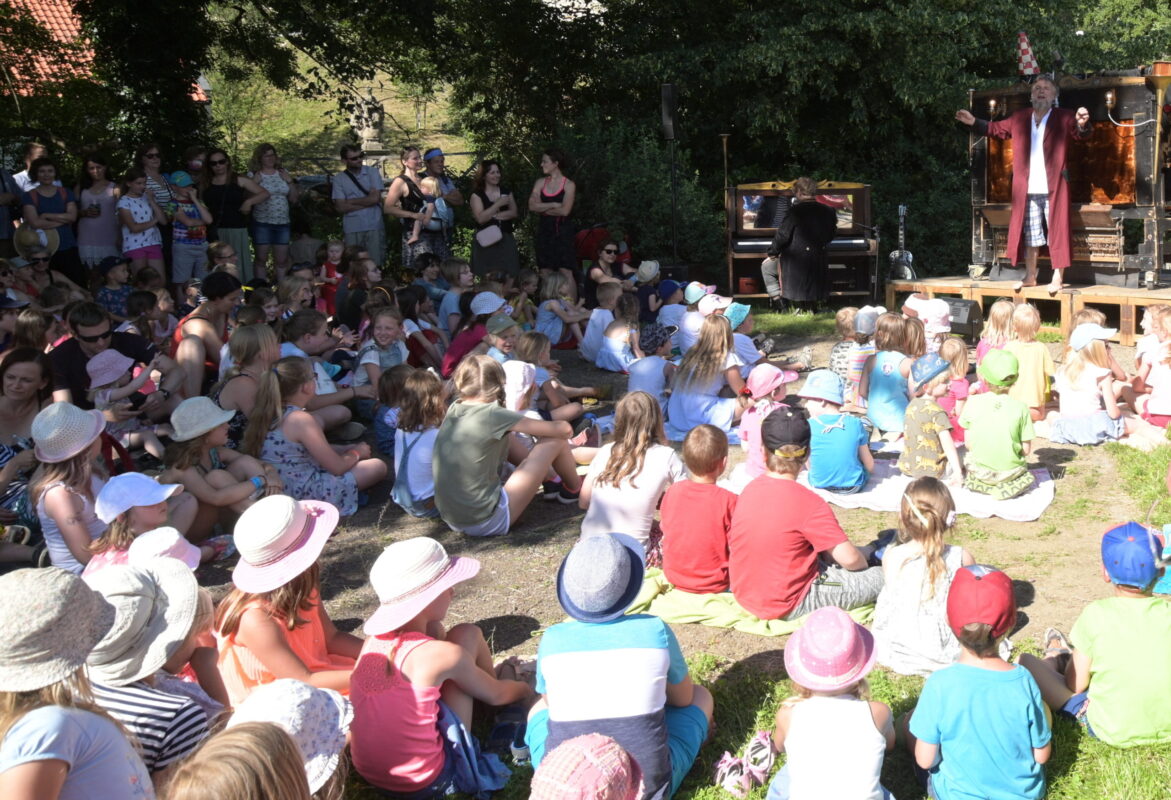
(928, 449)
(1104, 678)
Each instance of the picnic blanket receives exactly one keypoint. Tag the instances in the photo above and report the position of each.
(660, 598)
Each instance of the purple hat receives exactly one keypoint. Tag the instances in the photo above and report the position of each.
(407, 578)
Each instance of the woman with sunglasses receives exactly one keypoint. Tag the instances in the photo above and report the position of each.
(231, 197)
(97, 221)
(604, 270)
(493, 204)
(11, 285)
(48, 207)
(37, 275)
(149, 158)
(272, 218)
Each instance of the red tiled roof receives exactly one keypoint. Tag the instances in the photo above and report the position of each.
(58, 19)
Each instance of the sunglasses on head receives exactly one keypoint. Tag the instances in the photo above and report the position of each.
(218, 162)
(96, 337)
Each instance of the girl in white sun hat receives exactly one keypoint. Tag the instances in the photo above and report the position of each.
(273, 624)
(420, 681)
(54, 742)
(64, 487)
(223, 482)
(133, 503)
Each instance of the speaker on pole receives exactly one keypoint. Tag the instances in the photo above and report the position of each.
(669, 105)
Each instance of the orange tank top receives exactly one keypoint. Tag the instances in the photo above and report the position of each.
(242, 671)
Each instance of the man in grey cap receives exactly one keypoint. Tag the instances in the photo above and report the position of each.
(436, 168)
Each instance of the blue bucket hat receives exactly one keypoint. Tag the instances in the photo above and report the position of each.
(736, 314)
(823, 384)
(600, 577)
(928, 367)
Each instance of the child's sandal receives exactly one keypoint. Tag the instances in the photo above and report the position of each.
(732, 777)
(1063, 645)
(759, 757)
(222, 546)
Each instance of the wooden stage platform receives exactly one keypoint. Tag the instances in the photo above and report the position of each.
(1119, 303)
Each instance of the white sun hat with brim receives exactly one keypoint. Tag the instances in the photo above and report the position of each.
(59, 621)
(408, 576)
(279, 538)
(317, 719)
(196, 416)
(163, 542)
(155, 607)
(63, 431)
(128, 490)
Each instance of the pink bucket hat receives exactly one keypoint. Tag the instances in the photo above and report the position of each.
(711, 303)
(829, 652)
(765, 378)
(589, 767)
(107, 367)
(63, 431)
(408, 576)
(162, 543)
(278, 539)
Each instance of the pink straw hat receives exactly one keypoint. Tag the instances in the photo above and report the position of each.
(278, 539)
(408, 576)
(107, 367)
(829, 652)
(765, 378)
(63, 431)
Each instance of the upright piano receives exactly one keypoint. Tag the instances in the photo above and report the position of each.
(756, 209)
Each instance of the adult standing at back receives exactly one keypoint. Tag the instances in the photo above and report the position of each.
(405, 200)
(98, 227)
(49, 207)
(27, 178)
(436, 167)
(149, 158)
(271, 219)
(552, 197)
(493, 205)
(231, 197)
(357, 191)
(1040, 187)
(800, 243)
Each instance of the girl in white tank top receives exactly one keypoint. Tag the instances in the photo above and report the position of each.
(835, 738)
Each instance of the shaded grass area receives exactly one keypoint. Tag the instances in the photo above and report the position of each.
(797, 326)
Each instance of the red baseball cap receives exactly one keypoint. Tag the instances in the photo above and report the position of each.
(981, 594)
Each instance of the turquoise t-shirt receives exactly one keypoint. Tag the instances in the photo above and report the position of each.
(1125, 638)
(986, 724)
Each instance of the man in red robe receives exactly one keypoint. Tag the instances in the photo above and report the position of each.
(1040, 188)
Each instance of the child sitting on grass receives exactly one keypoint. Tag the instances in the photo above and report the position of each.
(740, 318)
(980, 728)
(952, 401)
(672, 310)
(910, 619)
(865, 325)
(928, 449)
(620, 341)
(696, 515)
(1088, 411)
(839, 354)
(884, 376)
(652, 373)
(554, 400)
(767, 387)
(1035, 371)
(600, 319)
(1103, 680)
(557, 316)
(840, 460)
(834, 735)
(999, 432)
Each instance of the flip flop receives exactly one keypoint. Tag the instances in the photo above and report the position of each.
(1063, 645)
(732, 777)
(759, 757)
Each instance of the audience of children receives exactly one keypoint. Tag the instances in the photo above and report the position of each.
(766, 388)
(1088, 394)
(840, 460)
(599, 322)
(112, 386)
(132, 504)
(952, 401)
(839, 354)
(620, 346)
(690, 319)
(696, 516)
(458, 274)
(740, 318)
(558, 317)
(910, 619)
(422, 405)
(652, 373)
(707, 371)
(672, 310)
(884, 376)
(865, 325)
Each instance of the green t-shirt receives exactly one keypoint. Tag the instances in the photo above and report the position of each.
(469, 449)
(922, 452)
(996, 425)
(1128, 640)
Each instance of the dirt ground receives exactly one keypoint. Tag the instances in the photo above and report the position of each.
(1053, 561)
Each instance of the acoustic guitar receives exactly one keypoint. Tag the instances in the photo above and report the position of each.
(901, 261)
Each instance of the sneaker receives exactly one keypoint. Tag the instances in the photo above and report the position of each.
(567, 497)
(550, 489)
(766, 345)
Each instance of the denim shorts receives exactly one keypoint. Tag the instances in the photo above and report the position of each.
(265, 233)
(495, 525)
(1075, 708)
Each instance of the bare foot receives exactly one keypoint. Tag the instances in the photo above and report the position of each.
(1053, 288)
(412, 240)
(1016, 287)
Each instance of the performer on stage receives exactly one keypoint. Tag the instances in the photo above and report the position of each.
(1040, 188)
(802, 235)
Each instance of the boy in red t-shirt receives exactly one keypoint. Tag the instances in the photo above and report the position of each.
(787, 554)
(696, 515)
